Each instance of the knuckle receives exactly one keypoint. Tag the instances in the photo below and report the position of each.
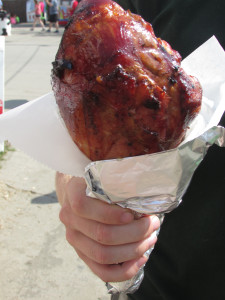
(101, 255)
(62, 215)
(69, 236)
(111, 214)
(77, 205)
(103, 234)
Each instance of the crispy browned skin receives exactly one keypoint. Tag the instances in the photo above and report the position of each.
(120, 90)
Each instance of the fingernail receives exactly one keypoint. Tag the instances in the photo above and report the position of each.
(141, 261)
(155, 222)
(127, 217)
(151, 239)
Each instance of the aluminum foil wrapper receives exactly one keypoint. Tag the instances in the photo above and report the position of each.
(149, 184)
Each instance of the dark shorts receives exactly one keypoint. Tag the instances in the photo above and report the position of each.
(37, 16)
(53, 18)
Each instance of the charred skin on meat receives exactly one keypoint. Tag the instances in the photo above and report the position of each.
(120, 90)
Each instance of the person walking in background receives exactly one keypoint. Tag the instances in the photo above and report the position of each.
(42, 12)
(53, 15)
(37, 17)
(12, 19)
(73, 6)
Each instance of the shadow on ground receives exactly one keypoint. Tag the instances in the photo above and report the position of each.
(45, 199)
(9, 104)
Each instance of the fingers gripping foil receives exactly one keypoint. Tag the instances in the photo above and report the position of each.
(149, 184)
(131, 285)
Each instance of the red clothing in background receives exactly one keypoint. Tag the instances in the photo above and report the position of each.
(37, 9)
(73, 6)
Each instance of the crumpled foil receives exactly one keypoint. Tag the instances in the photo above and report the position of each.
(149, 184)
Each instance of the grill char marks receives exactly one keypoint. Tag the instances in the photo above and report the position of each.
(121, 90)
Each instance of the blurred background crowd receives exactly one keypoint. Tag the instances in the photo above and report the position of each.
(13, 12)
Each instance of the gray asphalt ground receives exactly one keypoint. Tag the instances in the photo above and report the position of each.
(36, 261)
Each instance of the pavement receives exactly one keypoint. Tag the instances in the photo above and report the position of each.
(36, 261)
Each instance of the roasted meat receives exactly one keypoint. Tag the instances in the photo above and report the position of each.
(120, 90)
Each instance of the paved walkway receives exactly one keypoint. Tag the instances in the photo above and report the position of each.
(36, 261)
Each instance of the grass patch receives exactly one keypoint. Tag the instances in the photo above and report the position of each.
(7, 148)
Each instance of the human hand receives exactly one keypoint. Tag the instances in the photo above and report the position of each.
(106, 237)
